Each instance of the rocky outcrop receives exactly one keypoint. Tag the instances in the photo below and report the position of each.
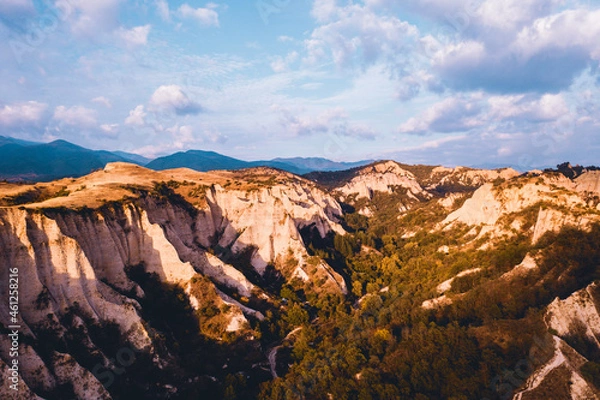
(269, 219)
(75, 262)
(573, 320)
(528, 264)
(443, 178)
(501, 209)
(447, 284)
(383, 177)
(588, 182)
(551, 220)
(578, 314)
(440, 301)
(70, 262)
(559, 378)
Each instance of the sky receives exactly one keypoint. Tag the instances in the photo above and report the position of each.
(479, 83)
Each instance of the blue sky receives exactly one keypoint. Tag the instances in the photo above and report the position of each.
(493, 82)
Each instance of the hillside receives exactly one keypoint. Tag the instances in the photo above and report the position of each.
(49, 161)
(24, 161)
(197, 160)
(210, 161)
(384, 281)
(308, 164)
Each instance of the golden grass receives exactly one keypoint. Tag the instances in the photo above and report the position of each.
(115, 181)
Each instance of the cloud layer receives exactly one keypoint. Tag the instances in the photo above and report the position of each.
(171, 98)
(504, 81)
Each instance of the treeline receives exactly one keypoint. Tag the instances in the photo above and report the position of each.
(379, 343)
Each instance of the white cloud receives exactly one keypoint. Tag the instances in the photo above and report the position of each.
(75, 116)
(154, 151)
(515, 57)
(282, 64)
(102, 100)
(134, 37)
(437, 143)
(136, 117)
(461, 55)
(182, 136)
(284, 39)
(355, 34)
(505, 151)
(306, 125)
(171, 98)
(26, 113)
(355, 130)
(333, 120)
(179, 137)
(109, 128)
(410, 86)
(324, 10)
(89, 18)
(213, 136)
(449, 115)
(205, 16)
(566, 30)
(548, 108)
(162, 8)
(503, 116)
(481, 16)
(510, 15)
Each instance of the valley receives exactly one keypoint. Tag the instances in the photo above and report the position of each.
(384, 281)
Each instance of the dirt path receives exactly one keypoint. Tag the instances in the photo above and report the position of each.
(272, 354)
(537, 378)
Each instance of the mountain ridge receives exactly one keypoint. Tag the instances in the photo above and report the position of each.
(206, 274)
(49, 161)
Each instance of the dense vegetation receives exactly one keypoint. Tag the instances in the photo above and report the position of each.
(34, 195)
(381, 344)
(377, 342)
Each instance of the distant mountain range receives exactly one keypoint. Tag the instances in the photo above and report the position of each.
(27, 161)
(22, 160)
(209, 160)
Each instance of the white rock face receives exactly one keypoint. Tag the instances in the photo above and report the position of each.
(86, 386)
(50, 261)
(482, 208)
(447, 284)
(588, 182)
(578, 310)
(529, 263)
(566, 362)
(443, 300)
(550, 220)
(269, 219)
(382, 177)
(490, 206)
(448, 201)
(442, 176)
(579, 315)
(77, 260)
(67, 259)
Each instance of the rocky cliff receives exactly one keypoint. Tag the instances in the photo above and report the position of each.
(534, 203)
(409, 184)
(575, 325)
(382, 177)
(80, 255)
(186, 284)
